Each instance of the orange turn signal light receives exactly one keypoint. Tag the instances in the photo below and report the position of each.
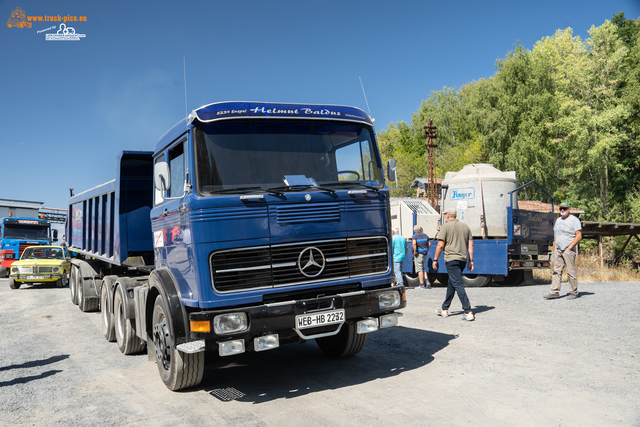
(200, 326)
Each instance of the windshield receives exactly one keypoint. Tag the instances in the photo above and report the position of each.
(42, 253)
(262, 155)
(26, 232)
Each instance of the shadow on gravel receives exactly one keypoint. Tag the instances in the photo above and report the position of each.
(34, 363)
(27, 379)
(296, 370)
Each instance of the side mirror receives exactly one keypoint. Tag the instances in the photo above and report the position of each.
(55, 235)
(391, 171)
(162, 176)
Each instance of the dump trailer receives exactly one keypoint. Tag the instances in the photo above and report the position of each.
(249, 226)
(509, 243)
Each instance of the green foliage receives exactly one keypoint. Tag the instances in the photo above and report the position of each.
(566, 113)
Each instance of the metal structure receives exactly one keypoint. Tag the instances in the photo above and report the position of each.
(54, 215)
(430, 135)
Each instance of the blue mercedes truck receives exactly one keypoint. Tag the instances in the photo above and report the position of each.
(251, 225)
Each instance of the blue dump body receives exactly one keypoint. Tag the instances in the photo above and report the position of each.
(111, 221)
(250, 225)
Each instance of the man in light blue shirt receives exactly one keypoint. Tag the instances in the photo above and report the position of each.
(568, 232)
(399, 253)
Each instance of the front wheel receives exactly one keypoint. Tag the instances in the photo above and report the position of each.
(178, 370)
(128, 342)
(346, 343)
(475, 280)
(13, 284)
(62, 281)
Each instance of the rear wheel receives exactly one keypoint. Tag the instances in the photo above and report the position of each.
(108, 328)
(13, 284)
(4, 272)
(475, 280)
(73, 284)
(128, 342)
(346, 343)
(178, 370)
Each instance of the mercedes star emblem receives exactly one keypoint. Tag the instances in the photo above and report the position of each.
(307, 197)
(311, 262)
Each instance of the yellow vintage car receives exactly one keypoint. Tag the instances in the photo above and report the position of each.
(41, 264)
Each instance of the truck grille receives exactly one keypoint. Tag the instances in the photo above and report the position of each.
(292, 264)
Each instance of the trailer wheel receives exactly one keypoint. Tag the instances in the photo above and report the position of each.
(475, 280)
(108, 329)
(4, 272)
(125, 329)
(73, 284)
(347, 343)
(13, 284)
(178, 370)
(85, 303)
(514, 278)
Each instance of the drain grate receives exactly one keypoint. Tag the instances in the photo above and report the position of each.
(227, 394)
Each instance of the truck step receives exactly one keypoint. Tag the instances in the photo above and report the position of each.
(191, 347)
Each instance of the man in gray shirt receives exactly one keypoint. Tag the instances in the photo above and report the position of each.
(567, 235)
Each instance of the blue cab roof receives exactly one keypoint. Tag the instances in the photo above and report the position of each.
(264, 110)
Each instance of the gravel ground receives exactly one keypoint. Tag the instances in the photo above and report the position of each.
(525, 361)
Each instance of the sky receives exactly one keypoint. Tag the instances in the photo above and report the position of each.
(68, 107)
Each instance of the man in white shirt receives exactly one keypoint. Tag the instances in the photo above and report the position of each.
(567, 235)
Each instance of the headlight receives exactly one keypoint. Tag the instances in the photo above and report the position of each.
(230, 323)
(15, 270)
(56, 269)
(389, 299)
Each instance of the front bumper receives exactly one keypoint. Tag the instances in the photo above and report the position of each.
(280, 317)
(36, 278)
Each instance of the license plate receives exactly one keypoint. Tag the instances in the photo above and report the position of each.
(320, 319)
(529, 264)
(35, 277)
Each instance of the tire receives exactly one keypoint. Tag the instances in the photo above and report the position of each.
(514, 278)
(475, 280)
(62, 281)
(177, 370)
(4, 272)
(411, 280)
(85, 303)
(347, 343)
(13, 284)
(125, 329)
(432, 277)
(73, 284)
(108, 328)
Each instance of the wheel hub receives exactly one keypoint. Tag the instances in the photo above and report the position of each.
(162, 342)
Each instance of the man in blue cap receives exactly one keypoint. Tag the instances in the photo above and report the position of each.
(567, 235)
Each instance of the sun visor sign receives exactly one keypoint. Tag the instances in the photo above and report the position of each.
(227, 110)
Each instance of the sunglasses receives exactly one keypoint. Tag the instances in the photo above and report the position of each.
(564, 209)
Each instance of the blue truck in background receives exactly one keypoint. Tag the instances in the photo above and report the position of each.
(249, 226)
(17, 234)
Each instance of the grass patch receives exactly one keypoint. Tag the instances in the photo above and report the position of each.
(589, 270)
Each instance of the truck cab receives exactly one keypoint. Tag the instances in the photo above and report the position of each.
(16, 234)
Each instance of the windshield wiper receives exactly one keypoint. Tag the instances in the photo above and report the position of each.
(351, 184)
(237, 190)
(281, 190)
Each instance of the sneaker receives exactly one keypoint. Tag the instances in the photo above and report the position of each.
(428, 286)
(421, 286)
(441, 312)
(572, 296)
(468, 316)
(551, 296)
